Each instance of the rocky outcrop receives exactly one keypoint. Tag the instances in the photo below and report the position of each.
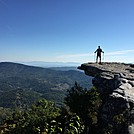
(115, 81)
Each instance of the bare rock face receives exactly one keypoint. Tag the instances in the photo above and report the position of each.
(115, 81)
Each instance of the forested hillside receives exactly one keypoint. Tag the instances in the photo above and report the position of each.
(21, 85)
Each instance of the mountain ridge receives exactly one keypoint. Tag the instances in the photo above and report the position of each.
(50, 64)
(20, 80)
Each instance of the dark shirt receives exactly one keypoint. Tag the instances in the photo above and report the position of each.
(99, 50)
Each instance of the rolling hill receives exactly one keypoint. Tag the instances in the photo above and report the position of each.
(21, 85)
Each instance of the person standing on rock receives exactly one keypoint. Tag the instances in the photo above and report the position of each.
(98, 51)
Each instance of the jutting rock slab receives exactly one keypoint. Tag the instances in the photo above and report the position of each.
(115, 81)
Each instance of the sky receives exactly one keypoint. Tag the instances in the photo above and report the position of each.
(66, 30)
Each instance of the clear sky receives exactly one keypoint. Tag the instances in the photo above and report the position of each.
(66, 30)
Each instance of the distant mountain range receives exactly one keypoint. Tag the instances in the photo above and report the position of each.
(51, 64)
(21, 85)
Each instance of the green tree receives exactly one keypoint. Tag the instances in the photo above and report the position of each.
(35, 120)
(69, 122)
(85, 103)
(44, 117)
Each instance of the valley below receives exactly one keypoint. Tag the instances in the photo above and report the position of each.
(21, 85)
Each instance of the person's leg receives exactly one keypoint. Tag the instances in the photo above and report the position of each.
(96, 58)
(100, 59)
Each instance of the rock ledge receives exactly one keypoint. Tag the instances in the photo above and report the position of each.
(116, 83)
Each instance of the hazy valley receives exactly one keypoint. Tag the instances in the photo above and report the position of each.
(22, 85)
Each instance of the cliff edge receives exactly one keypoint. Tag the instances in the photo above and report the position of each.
(115, 81)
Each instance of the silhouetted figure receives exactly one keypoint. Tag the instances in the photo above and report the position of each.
(98, 51)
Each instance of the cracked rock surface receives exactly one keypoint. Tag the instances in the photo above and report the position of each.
(116, 83)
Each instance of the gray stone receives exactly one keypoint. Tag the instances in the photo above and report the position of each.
(125, 86)
(124, 80)
(131, 129)
(116, 83)
(131, 82)
(119, 91)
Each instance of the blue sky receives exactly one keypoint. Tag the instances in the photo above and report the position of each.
(66, 30)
